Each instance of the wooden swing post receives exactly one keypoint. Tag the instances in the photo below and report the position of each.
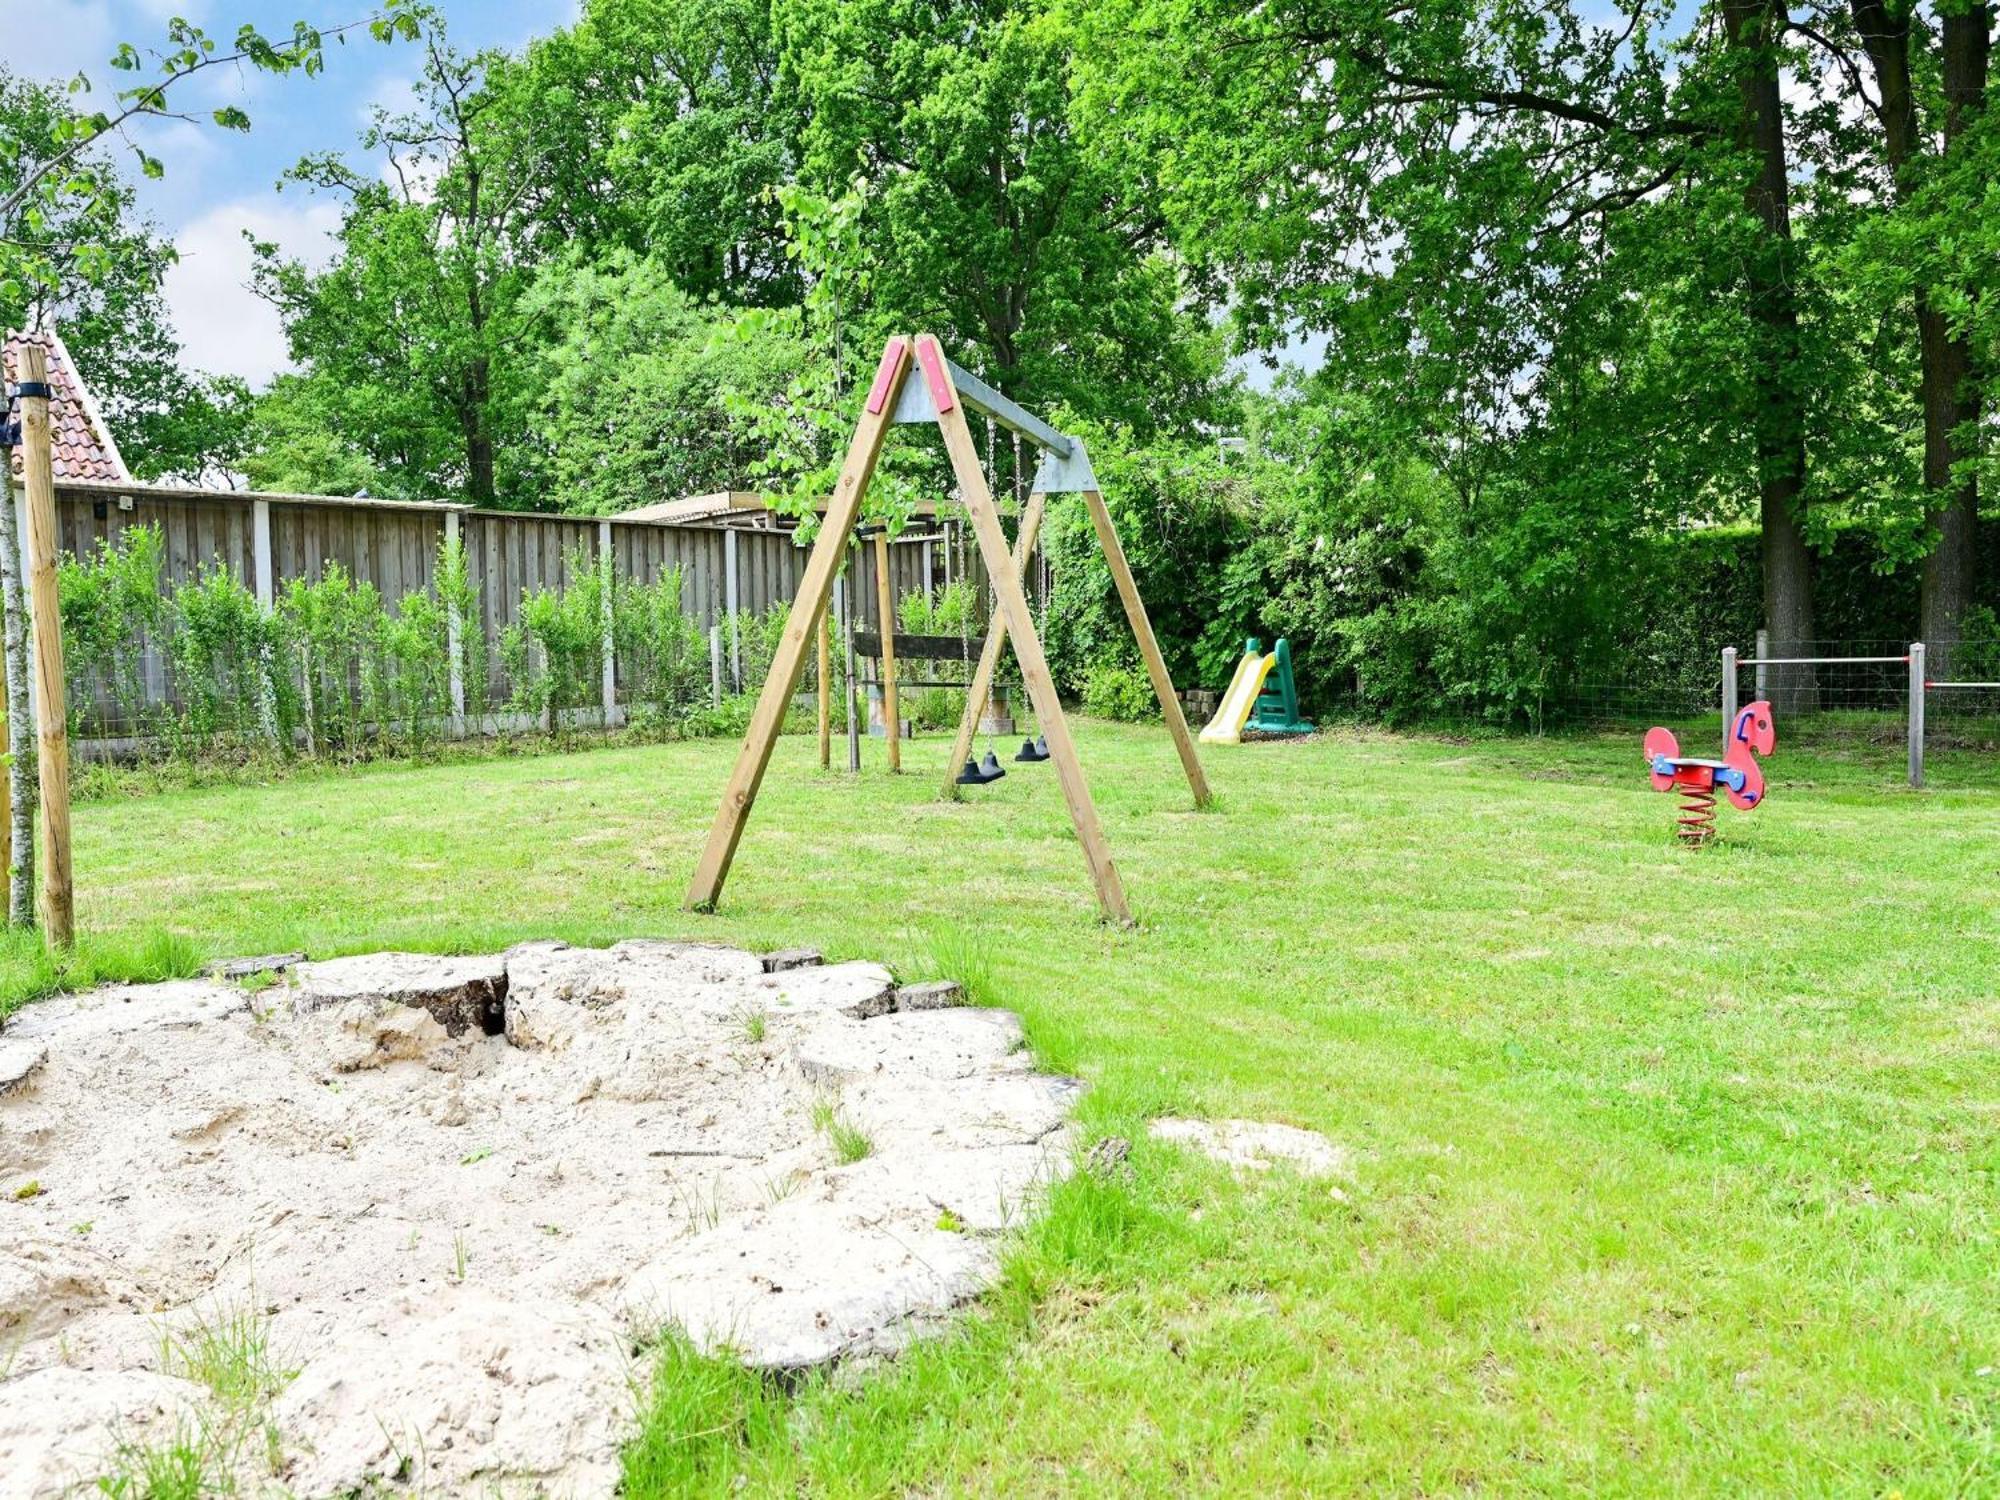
(769, 716)
(943, 395)
(1027, 646)
(1149, 646)
(989, 653)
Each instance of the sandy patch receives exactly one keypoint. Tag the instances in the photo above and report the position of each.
(456, 1195)
(1257, 1145)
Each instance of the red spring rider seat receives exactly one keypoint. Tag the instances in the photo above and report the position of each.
(1737, 773)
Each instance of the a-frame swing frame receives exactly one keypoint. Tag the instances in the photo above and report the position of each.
(943, 395)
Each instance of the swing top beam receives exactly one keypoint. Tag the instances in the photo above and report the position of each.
(1064, 468)
(916, 405)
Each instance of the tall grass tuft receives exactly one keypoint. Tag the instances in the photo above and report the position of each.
(708, 1426)
(31, 970)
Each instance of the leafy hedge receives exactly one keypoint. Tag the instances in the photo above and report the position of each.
(336, 671)
(1404, 600)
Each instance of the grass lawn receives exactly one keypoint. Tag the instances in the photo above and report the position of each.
(1676, 1170)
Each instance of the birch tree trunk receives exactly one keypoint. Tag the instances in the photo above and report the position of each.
(21, 773)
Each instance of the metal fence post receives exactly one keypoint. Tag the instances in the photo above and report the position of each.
(715, 665)
(1916, 714)
(1763, 672)
(1728, 693)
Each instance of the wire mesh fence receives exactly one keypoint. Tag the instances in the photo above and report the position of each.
(1853, 694)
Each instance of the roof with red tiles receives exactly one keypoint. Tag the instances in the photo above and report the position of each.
(84, 447)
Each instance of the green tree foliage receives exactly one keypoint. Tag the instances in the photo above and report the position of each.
(94, 271)
(412, 328)
(631, 403)
(991, 223)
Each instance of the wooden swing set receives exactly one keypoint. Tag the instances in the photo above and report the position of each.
(943, 395)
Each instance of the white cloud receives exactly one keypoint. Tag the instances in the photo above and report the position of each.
(223, 326)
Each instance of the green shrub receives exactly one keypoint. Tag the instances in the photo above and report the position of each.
(554, 650)
(112, 609)
(662, 652)
(1115, 691)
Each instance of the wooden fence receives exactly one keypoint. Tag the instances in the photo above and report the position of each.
(268, 540)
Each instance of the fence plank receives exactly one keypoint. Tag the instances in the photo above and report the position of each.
(394, 546)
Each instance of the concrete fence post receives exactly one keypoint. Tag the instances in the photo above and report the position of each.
(605, 572)
(715, 665)
(1917, 714)
(731, 602)
(1763, 672)
(266, 584)
(1728, 693)
(454, 634)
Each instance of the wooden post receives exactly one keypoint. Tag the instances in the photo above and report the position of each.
(842, 507)
(1027, 645)
(1149, 647)
(51, 713)
(885, 611)
(989, 654)
(825, 689)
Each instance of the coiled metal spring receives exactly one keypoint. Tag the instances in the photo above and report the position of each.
(1696, 818)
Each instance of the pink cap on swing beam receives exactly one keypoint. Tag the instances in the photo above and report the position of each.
(885, 373)
(932, 359)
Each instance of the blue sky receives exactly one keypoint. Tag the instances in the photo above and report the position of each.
(219, 183)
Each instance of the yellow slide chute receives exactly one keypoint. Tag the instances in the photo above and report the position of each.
(1226, 728)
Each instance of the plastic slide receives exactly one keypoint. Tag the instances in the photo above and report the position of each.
(1226, 728)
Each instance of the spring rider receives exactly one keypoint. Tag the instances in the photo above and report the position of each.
(1737, 773)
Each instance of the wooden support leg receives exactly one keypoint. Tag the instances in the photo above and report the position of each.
(1027, 646)
(842, 508)
(1149, 646)
(885, 611)
(989, 653)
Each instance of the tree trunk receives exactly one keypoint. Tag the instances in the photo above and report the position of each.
(479, 483)
(1951, 413)
(22, 783)
(1951, 392)
(1947, 392)
(1780, 428)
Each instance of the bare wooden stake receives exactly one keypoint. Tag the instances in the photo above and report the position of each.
(989, 653)
(1149, 647)
(885, 610)
(842, 508)
(51, 711)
